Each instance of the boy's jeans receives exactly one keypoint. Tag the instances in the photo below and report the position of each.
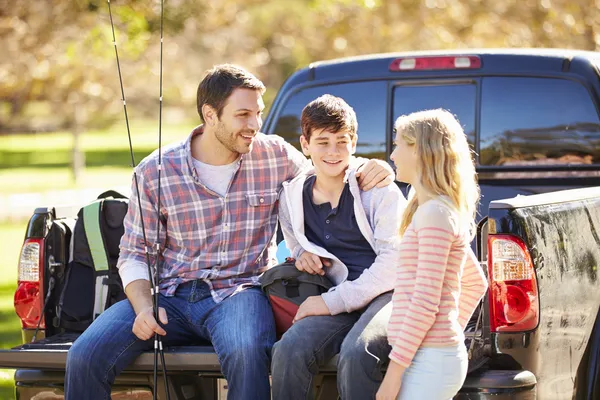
(241, 329)
(359, 337)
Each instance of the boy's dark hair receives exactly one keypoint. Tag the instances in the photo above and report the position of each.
(218, 84)
(328, 112)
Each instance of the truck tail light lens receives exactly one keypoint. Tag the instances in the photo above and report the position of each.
(29, 295)
(514, 300)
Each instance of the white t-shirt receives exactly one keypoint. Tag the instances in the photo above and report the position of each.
(216, 177)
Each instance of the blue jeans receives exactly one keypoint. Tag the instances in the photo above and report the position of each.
(241, 329)
(360, 338)
(435, 373)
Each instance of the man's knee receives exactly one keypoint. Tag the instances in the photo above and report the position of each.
(247, 353)
(83, 356)
(77, 357)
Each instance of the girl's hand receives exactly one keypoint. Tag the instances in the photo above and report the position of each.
(390, 387)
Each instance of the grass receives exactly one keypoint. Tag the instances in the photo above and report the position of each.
(11, 238)
(29, 180)
(41, 162)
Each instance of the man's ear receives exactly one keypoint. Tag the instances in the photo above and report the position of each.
(209, 114)
(304, 144)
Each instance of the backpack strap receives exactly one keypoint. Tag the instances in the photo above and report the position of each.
(91, 226)
(111, 193)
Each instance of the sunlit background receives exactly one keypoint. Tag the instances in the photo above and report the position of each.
(63, 137)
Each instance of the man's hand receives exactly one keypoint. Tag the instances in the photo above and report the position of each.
(145, 324)
(312, 263)
(374, 173)
(390, 387)
(314, 305)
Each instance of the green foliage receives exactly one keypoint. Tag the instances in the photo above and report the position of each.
(62, 53)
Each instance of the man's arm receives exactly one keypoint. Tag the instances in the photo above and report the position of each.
(145, 325)
(373, 173)
(132, 263)
(297, 162)
(139, 295)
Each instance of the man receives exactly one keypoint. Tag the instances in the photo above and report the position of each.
(218, 207)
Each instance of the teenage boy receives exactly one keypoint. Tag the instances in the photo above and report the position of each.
(334, 228)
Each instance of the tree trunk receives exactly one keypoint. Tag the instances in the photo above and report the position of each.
(590, 23)
(78, 156)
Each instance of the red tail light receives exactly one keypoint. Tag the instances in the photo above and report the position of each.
(29, 297)
(514, 300)
(433, 63)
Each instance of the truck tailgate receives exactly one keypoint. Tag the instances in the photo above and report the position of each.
(197, 358)
(51, 354)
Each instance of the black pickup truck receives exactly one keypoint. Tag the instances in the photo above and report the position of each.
(532, 119)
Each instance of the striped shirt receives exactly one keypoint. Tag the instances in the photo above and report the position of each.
(227, 241)
(438, 283)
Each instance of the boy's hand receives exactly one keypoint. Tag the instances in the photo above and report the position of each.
(312, 263)
(314, 305)
(145, 325)
(374, 173)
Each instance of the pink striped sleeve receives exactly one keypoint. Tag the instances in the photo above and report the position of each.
(434, 240)
(473, 286)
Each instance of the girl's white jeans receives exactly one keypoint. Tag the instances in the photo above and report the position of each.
(436, 373)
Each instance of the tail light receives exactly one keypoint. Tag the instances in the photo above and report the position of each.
(435, 63)
(29, 296)
(514, 300)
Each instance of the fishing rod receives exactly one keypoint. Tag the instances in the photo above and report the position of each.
(152, 267)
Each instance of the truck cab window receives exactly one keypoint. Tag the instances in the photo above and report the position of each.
(537, 121)
(459, 99)
(368, 100)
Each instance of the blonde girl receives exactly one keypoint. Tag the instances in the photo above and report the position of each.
(439, 282)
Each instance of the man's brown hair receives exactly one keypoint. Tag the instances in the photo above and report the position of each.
(218, 84)
(330, 113)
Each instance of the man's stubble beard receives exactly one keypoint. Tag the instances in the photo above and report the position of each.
(229, 139)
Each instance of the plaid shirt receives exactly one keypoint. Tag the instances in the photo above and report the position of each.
(226, 241)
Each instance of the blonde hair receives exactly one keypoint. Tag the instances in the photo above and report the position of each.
(445, 166)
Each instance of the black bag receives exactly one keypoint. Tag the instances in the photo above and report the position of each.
(92, 283)
(287, 288)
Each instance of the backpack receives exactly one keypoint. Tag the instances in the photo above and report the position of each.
(91, 281)
(286, 288)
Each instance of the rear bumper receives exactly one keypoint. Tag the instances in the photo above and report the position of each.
(499, 385)
(200, 362)
(49, 385)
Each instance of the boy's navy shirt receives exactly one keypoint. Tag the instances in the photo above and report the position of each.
(336, 230)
